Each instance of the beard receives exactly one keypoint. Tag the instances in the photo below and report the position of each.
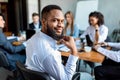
(53, 34)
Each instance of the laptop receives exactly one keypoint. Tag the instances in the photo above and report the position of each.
(29, 33)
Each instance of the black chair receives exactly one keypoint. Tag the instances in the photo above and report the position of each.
(29, 33)
(108, 39)
(28, 74)
(76, 76)
(3, 60)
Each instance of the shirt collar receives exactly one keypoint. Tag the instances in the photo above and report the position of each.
(52, 41)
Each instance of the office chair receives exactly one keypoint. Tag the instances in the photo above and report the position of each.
(76, 76)
(28, 74)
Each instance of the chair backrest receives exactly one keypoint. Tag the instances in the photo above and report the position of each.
(3, 60)
(29, 33)
(108, 39)
(30, 74)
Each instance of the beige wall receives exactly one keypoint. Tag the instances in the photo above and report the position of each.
(111, 11)
(32, 7)
(3, 0)
(64, 4)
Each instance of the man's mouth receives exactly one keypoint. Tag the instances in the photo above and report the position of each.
(58, 30)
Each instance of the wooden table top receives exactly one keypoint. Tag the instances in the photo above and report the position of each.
(92, 56)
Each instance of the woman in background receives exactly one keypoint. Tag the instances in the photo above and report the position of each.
(97, 31)
(71, 29)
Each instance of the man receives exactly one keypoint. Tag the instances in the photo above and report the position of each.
(41, 51)
(110, 70)
(13, 53)
(36, 24)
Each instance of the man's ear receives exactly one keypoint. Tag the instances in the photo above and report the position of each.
(43, 21)
(44, 25)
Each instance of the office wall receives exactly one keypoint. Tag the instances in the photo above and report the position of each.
(3, 0)
(83, 9)
(32, 7)
(109, 8)
(64, 4)
(111, 11)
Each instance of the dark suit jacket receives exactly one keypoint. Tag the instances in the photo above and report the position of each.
(31, 25)
(11, 52)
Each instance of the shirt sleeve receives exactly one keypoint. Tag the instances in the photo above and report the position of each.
(114, 55)
(103, 34)
(85, 33)
(115, 45)
(57, 70)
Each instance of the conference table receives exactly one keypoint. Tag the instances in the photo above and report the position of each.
(92, 56)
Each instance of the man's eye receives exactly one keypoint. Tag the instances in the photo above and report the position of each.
(62, 21)
(54, 20)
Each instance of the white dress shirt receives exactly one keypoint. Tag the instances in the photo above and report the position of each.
(103, 32)
(42, 56)
(36, 25)
(114, 55)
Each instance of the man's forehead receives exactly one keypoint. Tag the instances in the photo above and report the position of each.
(56, 13)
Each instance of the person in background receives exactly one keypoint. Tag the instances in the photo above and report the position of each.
(13, 53)
(71, 29)
(110, 68)
(97, 31)
(42, 50)
(36, 24)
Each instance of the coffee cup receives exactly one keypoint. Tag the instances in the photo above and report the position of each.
(87, 48)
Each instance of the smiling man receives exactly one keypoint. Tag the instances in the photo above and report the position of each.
(41, 50)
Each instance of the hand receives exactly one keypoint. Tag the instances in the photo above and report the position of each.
(96, 47)
(22, 38)
(104, 44)
(96, 26)
(69, 42)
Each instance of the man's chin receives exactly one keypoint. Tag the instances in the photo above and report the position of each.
(58, 34)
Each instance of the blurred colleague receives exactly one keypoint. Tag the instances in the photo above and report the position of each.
(71, 29)
(110, 69)
(13, 53)
(36, 24)
(41, 50)
(97, 31)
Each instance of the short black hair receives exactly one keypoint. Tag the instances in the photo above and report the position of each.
(35, 14)
(98, 15)
(2, 16)
(48, 8)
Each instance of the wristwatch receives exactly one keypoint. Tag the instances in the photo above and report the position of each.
(96, 30)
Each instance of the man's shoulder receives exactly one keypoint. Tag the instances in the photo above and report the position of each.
(31, 24)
